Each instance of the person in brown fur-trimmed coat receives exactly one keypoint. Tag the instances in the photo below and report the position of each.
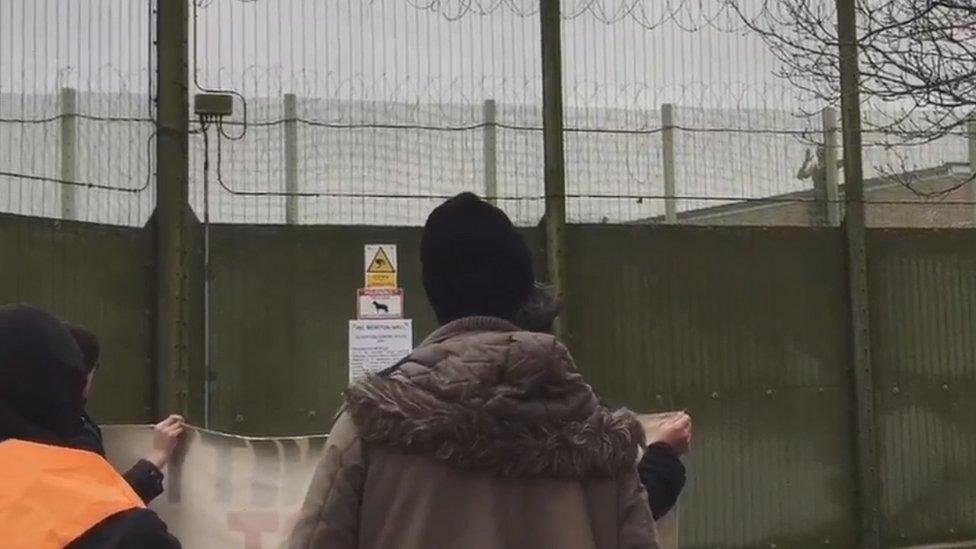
(486, 436)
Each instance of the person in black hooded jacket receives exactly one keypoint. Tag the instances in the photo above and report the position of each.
(661, 471)
(146, 476)
(53, 495)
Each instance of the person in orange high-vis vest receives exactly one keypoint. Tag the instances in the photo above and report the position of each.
(51, 495)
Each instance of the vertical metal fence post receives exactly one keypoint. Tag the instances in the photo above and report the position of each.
(490, 152)
(291, 158)
(69, 152)
(172, 201)
(830, 165)
(667, 151)
(971, 142)
(868, 474)
(552, 129)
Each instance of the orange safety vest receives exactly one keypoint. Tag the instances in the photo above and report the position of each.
(50, 496)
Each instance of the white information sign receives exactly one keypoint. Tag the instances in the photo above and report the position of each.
(375, 345)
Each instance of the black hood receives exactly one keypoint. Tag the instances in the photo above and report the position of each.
(41, 376)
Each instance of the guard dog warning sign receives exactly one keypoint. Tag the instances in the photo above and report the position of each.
(381, 265)
(380, 303)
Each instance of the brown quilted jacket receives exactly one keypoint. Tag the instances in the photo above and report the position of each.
(485, 438)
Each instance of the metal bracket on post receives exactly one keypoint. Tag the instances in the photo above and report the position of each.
(831, 176)
(490, 152)
(667, 151)
(69, 153)
(291, 159)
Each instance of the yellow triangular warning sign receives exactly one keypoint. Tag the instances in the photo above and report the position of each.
(380, 263)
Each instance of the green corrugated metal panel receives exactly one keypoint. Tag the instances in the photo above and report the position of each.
(195, 322)
(746, 328)
(281, 301)
(97, 276)
(924, 309)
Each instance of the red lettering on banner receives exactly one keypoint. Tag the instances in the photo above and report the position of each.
(253, 524)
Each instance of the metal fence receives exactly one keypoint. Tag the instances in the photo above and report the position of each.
(353, 118)
(76, 110)
(370, 112)
(383, 163)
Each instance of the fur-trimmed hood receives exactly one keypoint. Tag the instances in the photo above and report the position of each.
(481, 395)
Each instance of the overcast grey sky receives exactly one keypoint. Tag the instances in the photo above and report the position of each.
(400, 50)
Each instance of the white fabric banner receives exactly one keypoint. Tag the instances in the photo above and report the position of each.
(225, 491)
(231, 492)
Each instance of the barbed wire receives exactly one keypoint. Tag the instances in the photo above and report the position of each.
(688, 15)
(913, 124)
(463, 89)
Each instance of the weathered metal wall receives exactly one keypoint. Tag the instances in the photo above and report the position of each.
(747, 329)
(924, 346)
(280, 305)
(281, 301)
(97, 276)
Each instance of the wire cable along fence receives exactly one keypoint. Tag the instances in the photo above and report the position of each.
(369, 112)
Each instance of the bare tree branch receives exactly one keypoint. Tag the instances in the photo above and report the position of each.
(917, 59)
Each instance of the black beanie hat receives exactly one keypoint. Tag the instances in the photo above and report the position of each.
(41, 375)
(474, 261)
